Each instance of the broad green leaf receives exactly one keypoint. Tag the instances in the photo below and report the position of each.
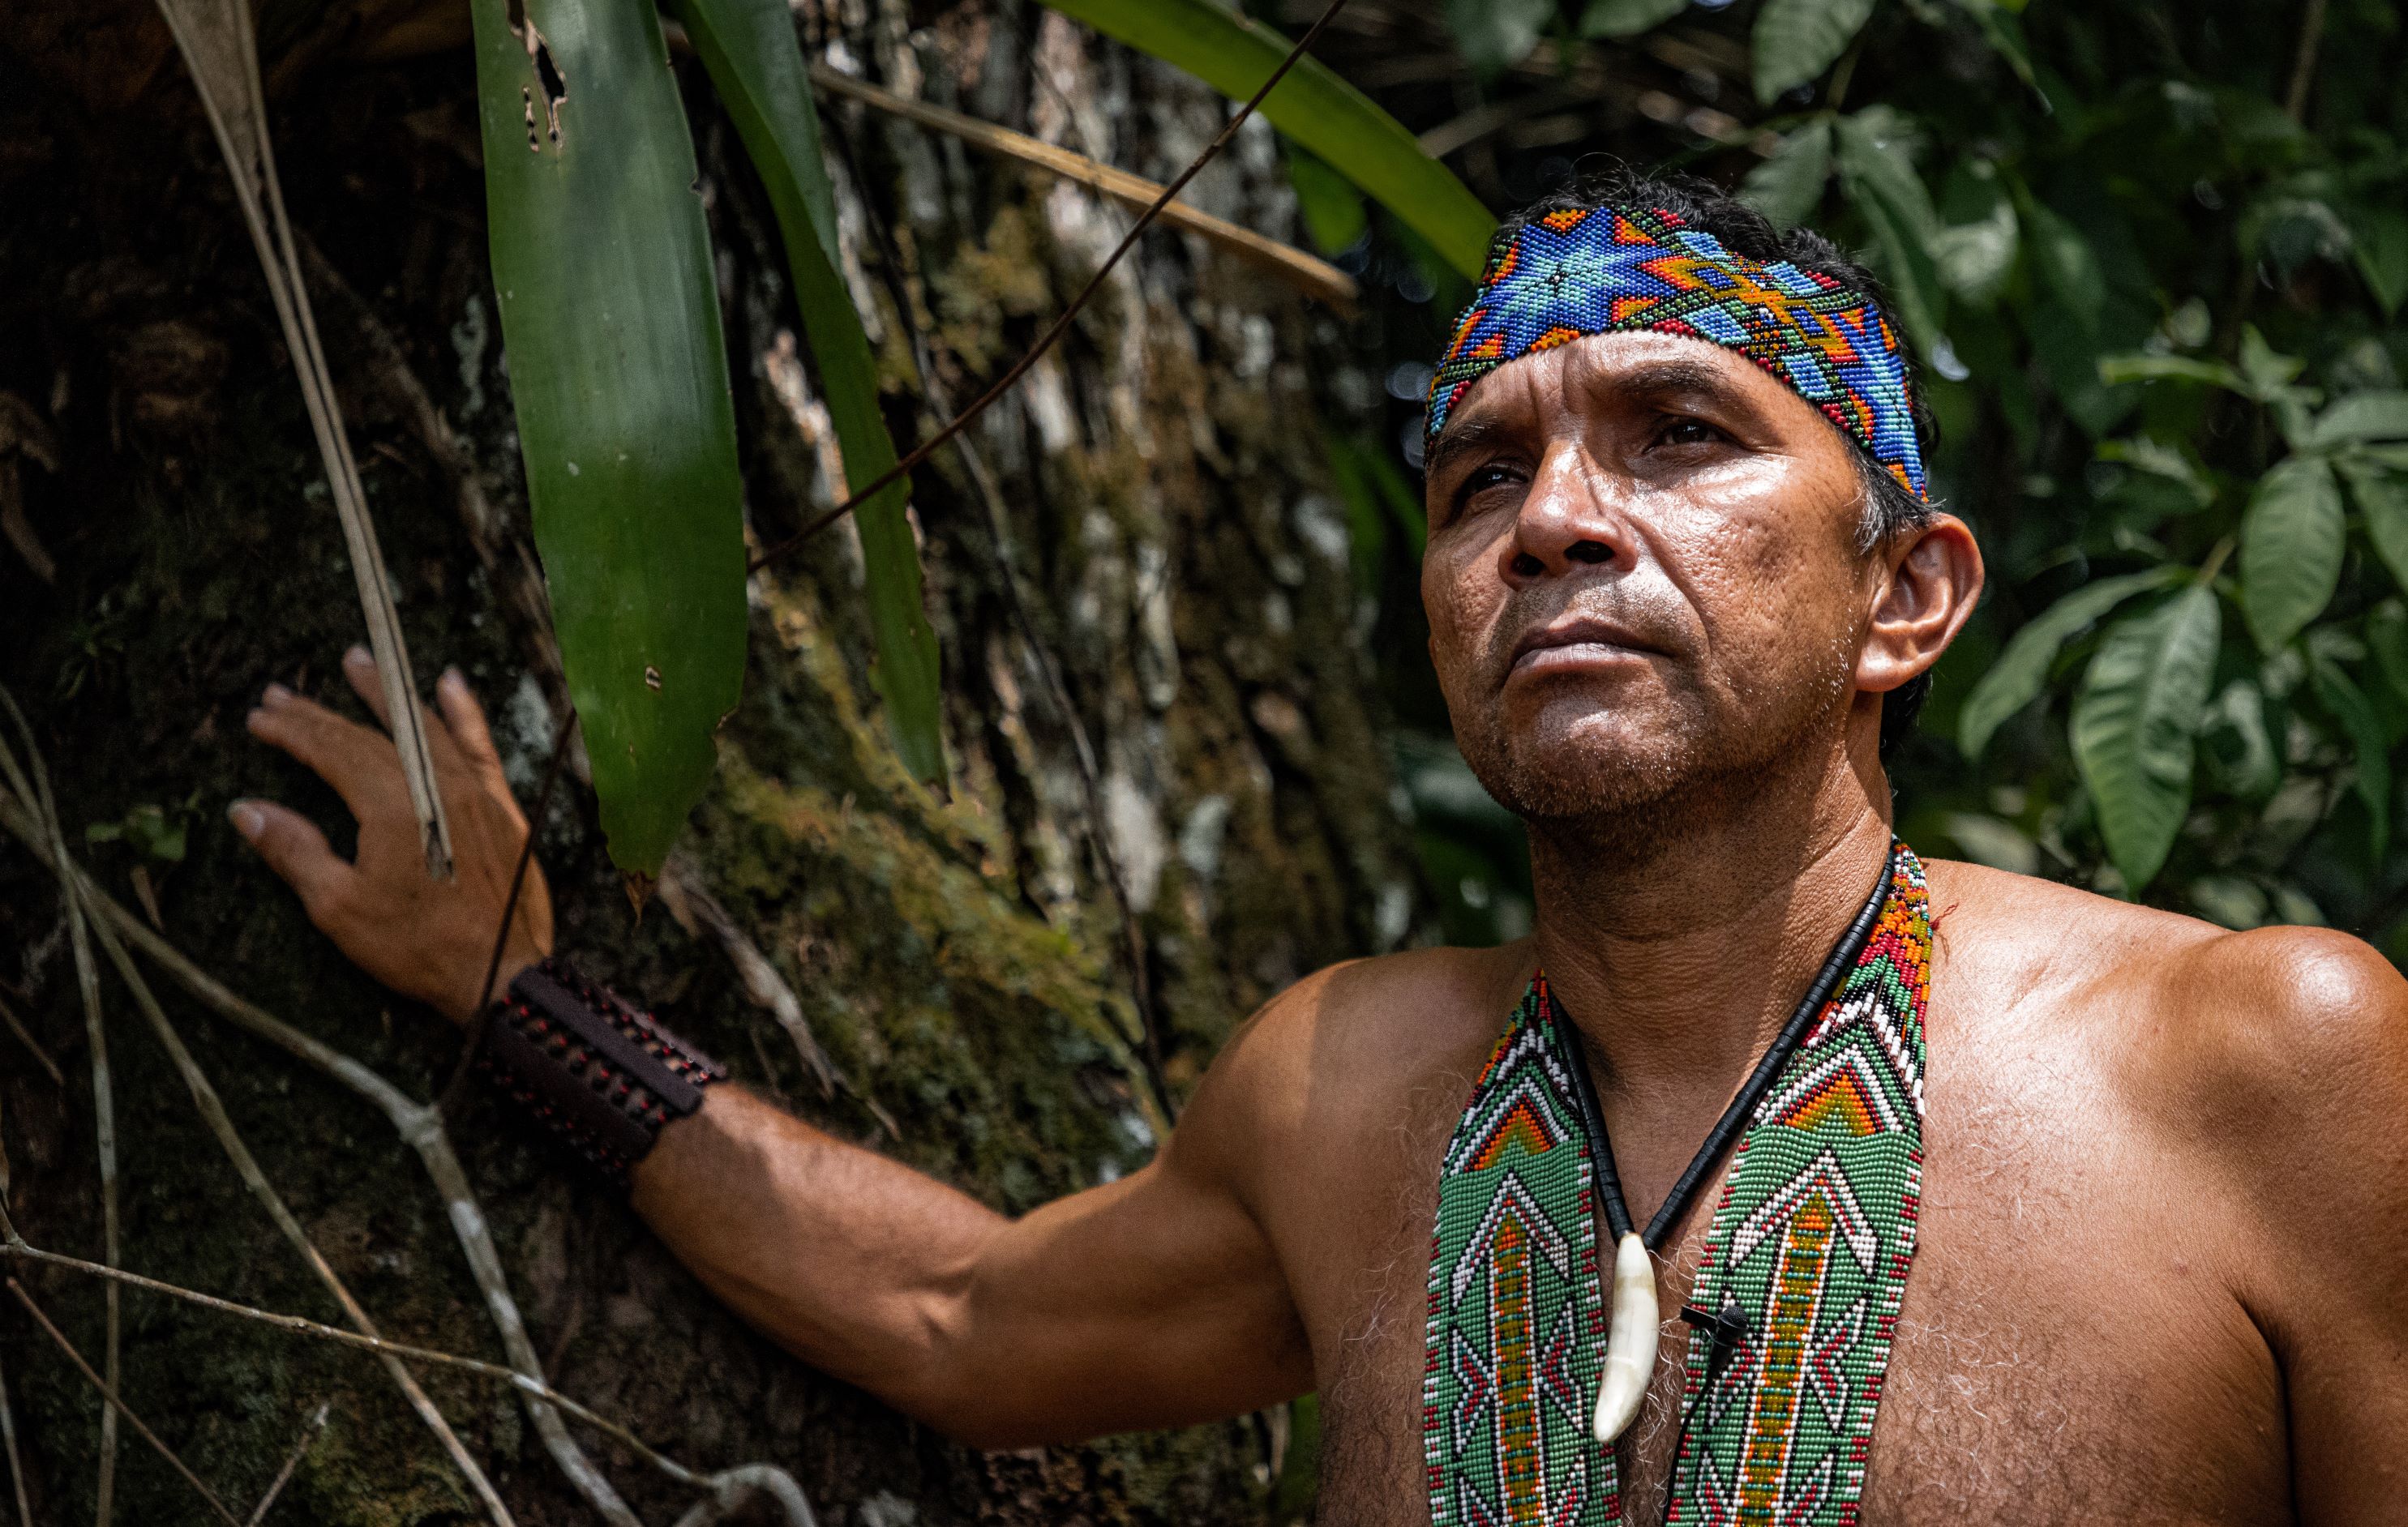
(756, 66)
(2235, 746)
(1795, 40)
(1492, 35)
(1974, 258)
(2134, 723)
(2379, 246)
(2360, 416)
(1877, 172)
(2291, 544)
(2386, 640)
(1312, 106)
(610, 310)
(2355, 713)
(2172, 464)
(1789, 185)
(2069, 267)
(2267, 369)
(1333, 211)
(1626, 18)
(2021, 671)
(2004, 31)
(2382, 498)
(2117, 369)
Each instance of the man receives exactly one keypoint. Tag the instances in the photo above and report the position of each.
(2131, 1252)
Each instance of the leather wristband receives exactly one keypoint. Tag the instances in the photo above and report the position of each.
(601, 1076)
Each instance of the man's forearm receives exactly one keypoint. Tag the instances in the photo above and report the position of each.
(850, 1261)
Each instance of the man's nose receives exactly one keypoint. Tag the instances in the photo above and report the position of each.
(1572, 517)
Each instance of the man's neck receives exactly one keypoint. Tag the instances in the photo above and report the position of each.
(1680, 956)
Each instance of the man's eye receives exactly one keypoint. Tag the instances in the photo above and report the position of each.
(1686, 432)
(1481, 479)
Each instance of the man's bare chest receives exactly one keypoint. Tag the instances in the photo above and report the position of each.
(2066, 1347)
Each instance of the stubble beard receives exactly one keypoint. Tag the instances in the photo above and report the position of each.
(1620, 804)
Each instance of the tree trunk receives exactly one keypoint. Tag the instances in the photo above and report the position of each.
(1170, 565)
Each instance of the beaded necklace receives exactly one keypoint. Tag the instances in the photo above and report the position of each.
(1794, 1306)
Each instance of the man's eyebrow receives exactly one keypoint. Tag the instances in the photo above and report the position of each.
(1459, 438)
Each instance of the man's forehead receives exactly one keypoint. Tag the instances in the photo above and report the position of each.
(1598, 372)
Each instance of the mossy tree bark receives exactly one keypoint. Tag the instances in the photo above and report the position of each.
(1158, 487)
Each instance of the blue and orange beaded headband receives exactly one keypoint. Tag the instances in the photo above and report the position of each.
(1614, 270)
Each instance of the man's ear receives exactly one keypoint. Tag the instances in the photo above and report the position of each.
(1934, 579)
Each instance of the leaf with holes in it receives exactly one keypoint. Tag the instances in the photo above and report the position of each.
(1795, 40)
(2021, 671)
(2135, 721)
(2291, 544)
(755, 63)
(1789, 184)
(1314, 105)
(610, 309)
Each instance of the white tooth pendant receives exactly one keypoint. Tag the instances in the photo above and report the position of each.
(1629, 1342)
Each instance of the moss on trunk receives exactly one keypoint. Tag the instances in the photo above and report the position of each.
(963, 960)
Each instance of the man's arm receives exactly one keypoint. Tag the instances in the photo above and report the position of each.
(1147, 1302)
(2306, 1088)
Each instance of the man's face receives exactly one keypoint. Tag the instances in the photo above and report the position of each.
(1642, 573)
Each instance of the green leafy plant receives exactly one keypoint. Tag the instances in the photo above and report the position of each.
(1329, 116)
(602, 272)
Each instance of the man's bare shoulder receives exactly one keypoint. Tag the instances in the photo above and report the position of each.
(1351, 1047)
(2297, 1032)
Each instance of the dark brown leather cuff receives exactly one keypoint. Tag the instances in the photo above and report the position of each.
(601, 1076)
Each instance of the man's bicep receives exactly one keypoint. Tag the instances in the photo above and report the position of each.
(1153, 1300)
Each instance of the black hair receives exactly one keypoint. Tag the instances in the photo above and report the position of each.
(1889, 506)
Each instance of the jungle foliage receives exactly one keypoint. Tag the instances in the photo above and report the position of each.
(2151, 258)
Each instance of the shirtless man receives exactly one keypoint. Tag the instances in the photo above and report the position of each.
(2163, 1228)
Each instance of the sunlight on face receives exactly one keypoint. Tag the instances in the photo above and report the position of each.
(1642, 572)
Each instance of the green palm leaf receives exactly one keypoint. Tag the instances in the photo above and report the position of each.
(1312, 106)
(750, 49)
(609, 311)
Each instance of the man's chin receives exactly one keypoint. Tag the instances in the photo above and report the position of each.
(1587, 777)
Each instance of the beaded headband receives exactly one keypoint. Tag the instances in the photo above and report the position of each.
(1614, 270)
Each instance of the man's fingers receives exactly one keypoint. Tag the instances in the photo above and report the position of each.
(294, 849)
(359, 666)
(465, 721)
(361, 764)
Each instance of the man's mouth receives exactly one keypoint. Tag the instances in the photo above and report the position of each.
(1576, 641)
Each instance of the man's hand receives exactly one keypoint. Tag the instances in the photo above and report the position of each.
(426, 938)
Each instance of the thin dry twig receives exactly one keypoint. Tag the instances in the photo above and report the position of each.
(692, 903)
(418, 1124)
(35, 794)
(118, 1407)
(301, 1446)
(215, 38)
(15, 1244)
(1315, 277)
(25, 1036)
(1061, 324)
(79, 891)
(8, 1440)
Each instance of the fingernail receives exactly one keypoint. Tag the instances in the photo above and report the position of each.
(357, 655)
(452, 678)
(247, 819)
(276, 695)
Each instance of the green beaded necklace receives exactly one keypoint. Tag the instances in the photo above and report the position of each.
(1803, 1269)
